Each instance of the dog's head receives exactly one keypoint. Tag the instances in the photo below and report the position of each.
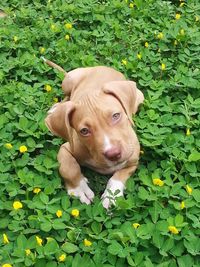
(102, 121)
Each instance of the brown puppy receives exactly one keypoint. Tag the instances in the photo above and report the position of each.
(97, 124)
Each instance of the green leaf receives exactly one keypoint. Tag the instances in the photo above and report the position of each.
(44, 198)
(69, 247)
(185, 261)
(30, 142)
(51, 247)
(58, 225)
(65, 203)
(77, 261)
(138, 258)
(51, 264)
(21, 242)
(4, 223)
(130, 261)
(115, 248)
(192, 245)
(96, 227)
(162, 226)
(143, 193)
(178, 220)
(23, 123)
(46, 227)
(194, 156)
(168, 244)
(196, 194)
(143, 232)
(158, 239)
(148, 263)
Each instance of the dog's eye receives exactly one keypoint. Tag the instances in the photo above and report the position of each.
(116, 116)
(85, 131)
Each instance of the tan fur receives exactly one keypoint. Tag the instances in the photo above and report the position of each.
(96, 93)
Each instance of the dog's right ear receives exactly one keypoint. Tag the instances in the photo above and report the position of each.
(58, 119)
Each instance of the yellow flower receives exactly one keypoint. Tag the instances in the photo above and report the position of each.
(146, 44)
(8, 145)
(5, 239)
(139, 56)
(48, 88)
(135, 225)
(173, 229)
(157, 181)
(182, 205)
(28, 252)
(55, 99)
(23, 149)
(87, 243)
(6, 265)
(160, 35)
(59, 213)
(163, 66)
(68, 26)
(39, 240)
(189, 189)
(62, 257)
(53, 27)
(124, 62)
(131, 5)
(182, 32)
(15, 38)
(182, 4)
(175, 42)
(177, 16)
(42, 50)
(75, 213)
(188, 133)
(17, 205)
(67, 37)
(36, 190)
(196, 18)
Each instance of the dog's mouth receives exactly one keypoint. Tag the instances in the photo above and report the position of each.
(120, 164)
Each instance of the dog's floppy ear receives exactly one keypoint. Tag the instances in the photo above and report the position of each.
(127, 93)
(58, 121)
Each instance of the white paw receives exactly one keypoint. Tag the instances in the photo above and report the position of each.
(108, 198)
(83, 192)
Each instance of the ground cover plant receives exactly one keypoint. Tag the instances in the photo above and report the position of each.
(155, 43)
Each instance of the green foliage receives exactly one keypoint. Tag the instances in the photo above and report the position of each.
(166, 68)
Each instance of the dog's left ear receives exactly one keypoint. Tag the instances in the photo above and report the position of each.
(127, 94)
(58, 119)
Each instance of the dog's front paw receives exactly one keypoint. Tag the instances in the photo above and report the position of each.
(83, 192)
(114, 188)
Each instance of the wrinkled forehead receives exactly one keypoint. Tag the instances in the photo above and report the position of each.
(95, 107)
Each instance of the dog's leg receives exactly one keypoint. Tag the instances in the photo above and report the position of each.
(116, 183)
(75, 182)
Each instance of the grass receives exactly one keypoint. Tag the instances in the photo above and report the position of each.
(156, 44)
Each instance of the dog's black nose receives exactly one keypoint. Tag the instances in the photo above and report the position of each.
(113, 154)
